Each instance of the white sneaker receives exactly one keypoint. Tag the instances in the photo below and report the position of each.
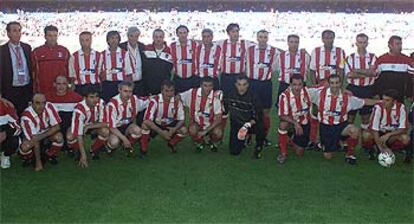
(5, 161)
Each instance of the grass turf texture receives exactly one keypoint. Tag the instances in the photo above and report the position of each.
(209, 187)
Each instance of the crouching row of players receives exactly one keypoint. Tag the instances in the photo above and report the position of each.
(112, 125)
(387, 130)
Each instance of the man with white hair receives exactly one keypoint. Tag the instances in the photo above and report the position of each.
(135, 49)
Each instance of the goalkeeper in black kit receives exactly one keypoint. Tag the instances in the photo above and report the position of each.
(246, 117)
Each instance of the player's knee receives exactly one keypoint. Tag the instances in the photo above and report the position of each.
(283, 125)
(104, 132)
(70, 137)
(217, 132)
(405, 139)
(145, 125)
(25, 146)
(113, 142)
(192, 129)
(136, 132)
(183, 131)
(366, 135)
(353, 131)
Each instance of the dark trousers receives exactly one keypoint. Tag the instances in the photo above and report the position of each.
(227, 82)
(11, 143)
(20, 97)
(109, 89)
(235, 145)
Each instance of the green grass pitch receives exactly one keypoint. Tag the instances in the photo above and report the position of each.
(209, 187)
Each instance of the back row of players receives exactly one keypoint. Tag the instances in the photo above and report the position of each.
(132, 68)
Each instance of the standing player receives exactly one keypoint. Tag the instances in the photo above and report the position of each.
(49, 61)
(333, 107)
(89, 117)
(292, 61)
(389, 125)
(183, 53)
(164, 116)
(246, 116)
(205, 108)
(135, 49)
(361, 74)
(261, 63)
(294, 112)
(208, 58)
(9, 133)
(325, 61)
(156, 63)
(40, 124)
(85, 65)
(122, 111)
(116, 66)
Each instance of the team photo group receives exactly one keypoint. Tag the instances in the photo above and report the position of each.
(54, 101)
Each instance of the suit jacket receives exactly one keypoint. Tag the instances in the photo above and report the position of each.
(6, 67)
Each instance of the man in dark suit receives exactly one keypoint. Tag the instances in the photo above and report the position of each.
(15, 69)
(135, 49)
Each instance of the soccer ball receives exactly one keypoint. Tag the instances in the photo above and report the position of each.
(385, 159)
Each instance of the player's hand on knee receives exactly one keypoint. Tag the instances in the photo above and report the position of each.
(126, 143)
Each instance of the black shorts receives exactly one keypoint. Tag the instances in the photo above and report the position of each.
(227, 82)
(361, 92)
(182, 85)
(331, 135)
(301, 140)
(154, 134)
(263, 89)
(123, 128)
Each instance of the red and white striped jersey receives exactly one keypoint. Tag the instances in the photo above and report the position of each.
(261, 62)
(233, 57)
(9, 117)
(386, 120)
(355, 61)
(333, 110)
(293, 63)
(183, 57)
(34, 124)
(85, 68)
(296, 107)
(116, 66)
(202, 109)
(120, 113)
(325, 63)
(84, 115)
(208, 61)
(164, 112)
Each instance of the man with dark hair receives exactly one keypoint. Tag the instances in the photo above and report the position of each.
(183, 53)
(294, 113)
(41, 129)
(164, 116)
(361, 74)
(333, 107)
(205, 106)
(89, 117)
(208, 56)
(246, 116)
(393, 68)
(16, 82)
(85, 65)
(122, 114)
(135, 49)
(389, 125)
(49, 61)
(156, 63)
(116, 66)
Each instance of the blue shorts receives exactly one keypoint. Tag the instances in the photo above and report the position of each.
(302, 140)
(361, 92)
(263, 89)
(227, 82)
(331, 135)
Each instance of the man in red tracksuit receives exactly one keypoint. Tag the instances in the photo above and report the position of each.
(49, 61)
